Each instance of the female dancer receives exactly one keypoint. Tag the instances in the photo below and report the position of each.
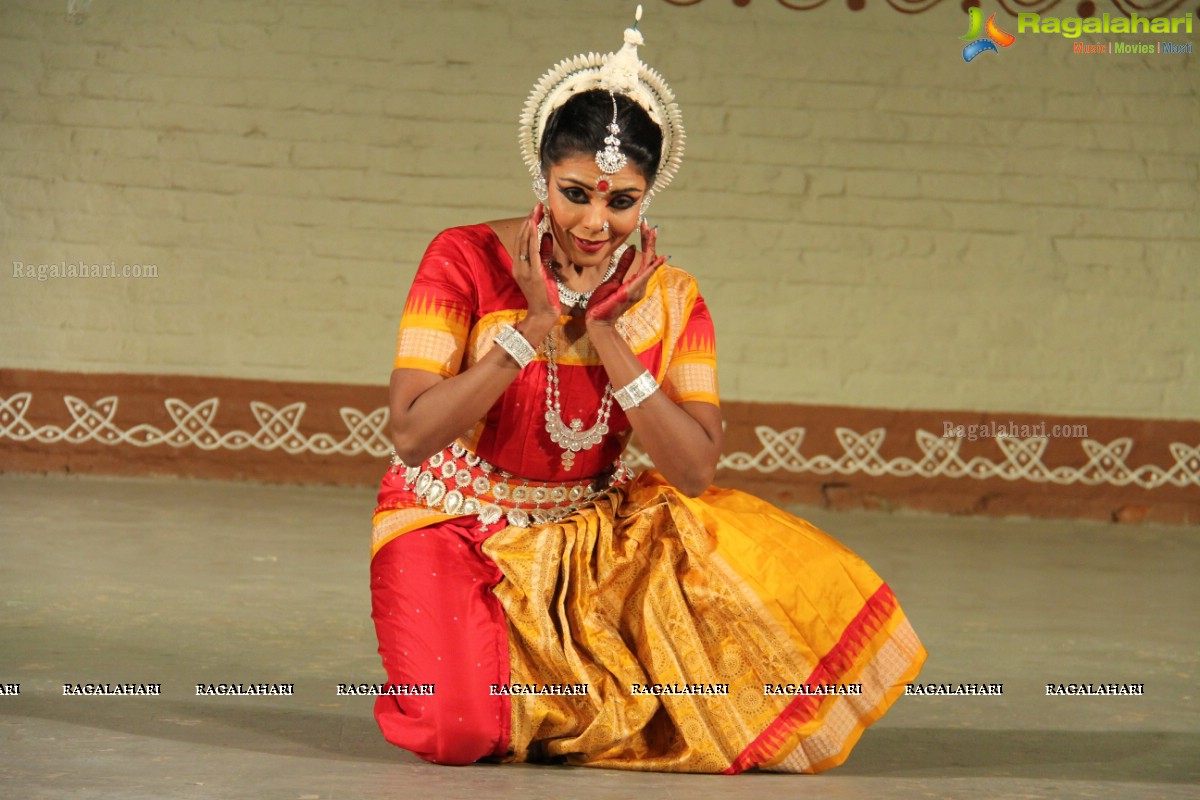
(533, 599)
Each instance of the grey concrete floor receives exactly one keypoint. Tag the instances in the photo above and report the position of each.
(186, 582)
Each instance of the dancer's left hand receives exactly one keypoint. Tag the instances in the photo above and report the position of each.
(627, 286)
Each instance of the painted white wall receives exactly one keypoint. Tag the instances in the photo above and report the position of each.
(873, 221)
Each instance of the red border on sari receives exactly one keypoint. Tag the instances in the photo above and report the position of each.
(836, 663)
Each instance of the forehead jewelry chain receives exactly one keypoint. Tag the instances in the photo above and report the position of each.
(610, 160)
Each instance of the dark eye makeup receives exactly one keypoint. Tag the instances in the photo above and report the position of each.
(575, 194)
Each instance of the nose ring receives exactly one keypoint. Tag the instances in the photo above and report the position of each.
(605, 228)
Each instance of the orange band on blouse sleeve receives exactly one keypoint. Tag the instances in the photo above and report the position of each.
(692, 370)
(438, 312)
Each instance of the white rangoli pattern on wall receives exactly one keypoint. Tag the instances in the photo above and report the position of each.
(366, 433)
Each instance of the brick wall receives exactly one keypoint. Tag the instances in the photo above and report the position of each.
(873, 221)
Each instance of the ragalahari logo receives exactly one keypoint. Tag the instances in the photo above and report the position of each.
(982, 44)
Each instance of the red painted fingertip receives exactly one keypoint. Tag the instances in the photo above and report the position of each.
(547, 249)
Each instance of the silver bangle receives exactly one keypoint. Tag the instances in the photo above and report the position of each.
(510, 340)
(634, 393)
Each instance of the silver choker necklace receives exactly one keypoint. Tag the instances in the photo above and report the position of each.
(574, 299)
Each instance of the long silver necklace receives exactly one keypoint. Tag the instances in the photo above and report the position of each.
(571, 438)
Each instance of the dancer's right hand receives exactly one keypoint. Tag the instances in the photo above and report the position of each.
(532, 269)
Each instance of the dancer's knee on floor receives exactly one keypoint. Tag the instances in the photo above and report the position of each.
(441, 734)
(462, 743)
(455, 756)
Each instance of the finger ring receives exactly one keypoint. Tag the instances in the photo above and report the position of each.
(524, 256)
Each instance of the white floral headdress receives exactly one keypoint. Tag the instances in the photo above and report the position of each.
(621, 72)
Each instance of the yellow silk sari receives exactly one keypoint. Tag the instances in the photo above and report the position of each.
(650, 592)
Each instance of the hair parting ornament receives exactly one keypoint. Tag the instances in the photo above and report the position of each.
(622, 73)
(610, 160)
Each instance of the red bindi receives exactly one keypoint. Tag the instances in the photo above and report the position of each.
(602, 185)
